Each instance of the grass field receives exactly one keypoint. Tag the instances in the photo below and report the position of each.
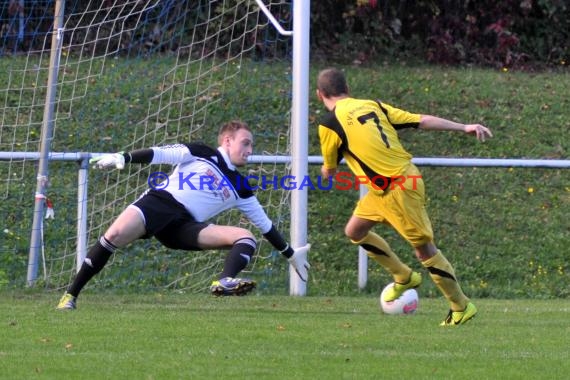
(179, 336)
(504, 229)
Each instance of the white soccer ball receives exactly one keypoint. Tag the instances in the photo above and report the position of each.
(407, 303)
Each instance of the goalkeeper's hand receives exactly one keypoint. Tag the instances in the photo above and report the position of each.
(300, 263)
(108, 161)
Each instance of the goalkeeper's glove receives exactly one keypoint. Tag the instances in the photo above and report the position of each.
(108, 161)
(300, 263)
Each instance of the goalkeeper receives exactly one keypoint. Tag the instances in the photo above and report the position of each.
(176, 211)
(364, 132)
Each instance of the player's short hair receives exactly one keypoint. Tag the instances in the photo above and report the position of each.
(332, 82)
(230, 128)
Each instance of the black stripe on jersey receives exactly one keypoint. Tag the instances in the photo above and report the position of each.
(331, 122)
(214, 156)
(379, 180)
(396, 126)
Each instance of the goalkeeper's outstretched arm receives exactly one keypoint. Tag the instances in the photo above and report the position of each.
(118, 160)
(170, 154)
(296, 257)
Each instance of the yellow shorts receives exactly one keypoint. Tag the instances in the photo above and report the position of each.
(402, 207)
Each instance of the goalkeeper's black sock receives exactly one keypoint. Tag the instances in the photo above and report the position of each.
(96, 259)
(239, 257)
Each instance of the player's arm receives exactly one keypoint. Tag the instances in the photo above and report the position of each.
(330, 144)
(296, 257)
(170, 154)
(399, 118)
(435, 123)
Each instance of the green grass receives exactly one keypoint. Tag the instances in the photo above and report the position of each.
(504, 229)
(178, 336)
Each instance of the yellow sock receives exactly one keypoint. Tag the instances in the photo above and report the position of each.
(443, 275)
(379, 250)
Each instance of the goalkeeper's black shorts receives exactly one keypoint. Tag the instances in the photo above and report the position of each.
(168, 221)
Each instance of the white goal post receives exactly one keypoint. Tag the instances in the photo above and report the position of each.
(181, 101)
(299, 126)
(299, 136)
(170, 72)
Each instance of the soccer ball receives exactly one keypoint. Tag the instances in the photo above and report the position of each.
(406, 304)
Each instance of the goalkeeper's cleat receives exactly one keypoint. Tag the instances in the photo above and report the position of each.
(230, 286)
(67, 302)
(456, 318)
(398, 289)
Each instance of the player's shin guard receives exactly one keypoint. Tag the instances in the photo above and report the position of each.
(96, 259)
(443, 275)
(239, 257)
(379, 250)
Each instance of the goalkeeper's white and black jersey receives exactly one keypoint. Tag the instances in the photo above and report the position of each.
(206, 183)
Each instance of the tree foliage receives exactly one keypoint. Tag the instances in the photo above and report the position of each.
(518, 34)
(509, 33)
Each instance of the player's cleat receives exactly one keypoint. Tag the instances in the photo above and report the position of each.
(67, 302)
(456, 318)
(230, 286)
(398, 289)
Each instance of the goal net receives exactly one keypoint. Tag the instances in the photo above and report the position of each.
(134, 74)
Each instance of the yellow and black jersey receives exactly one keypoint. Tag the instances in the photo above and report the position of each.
(364, 132)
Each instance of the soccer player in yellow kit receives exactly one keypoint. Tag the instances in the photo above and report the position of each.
(364, 133)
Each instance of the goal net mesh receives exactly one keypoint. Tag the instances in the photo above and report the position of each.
(136, 74)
